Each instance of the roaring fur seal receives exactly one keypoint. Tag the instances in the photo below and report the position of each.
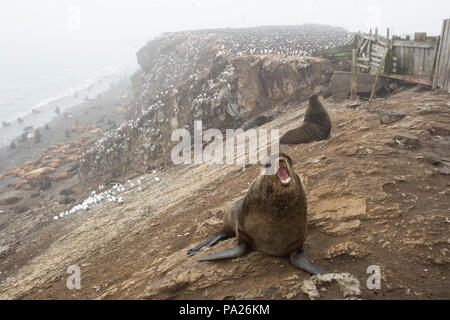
(316, 125)
(271, 219)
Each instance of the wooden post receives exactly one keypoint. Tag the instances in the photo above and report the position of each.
(438, 58)
(387, 34)
(354, 72)
(433, 64)
(380, 68)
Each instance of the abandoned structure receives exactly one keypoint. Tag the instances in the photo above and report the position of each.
(423, 60)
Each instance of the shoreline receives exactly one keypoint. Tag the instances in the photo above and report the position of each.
(86, 123)
(45, 109)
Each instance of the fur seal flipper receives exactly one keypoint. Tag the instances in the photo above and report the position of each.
(226, 254)
(271, 219)
(209, 242)
(316, 125)
(301, 261)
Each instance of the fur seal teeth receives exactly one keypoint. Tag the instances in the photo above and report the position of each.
(285, 182)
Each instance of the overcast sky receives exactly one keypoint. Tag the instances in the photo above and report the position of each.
(102, 32)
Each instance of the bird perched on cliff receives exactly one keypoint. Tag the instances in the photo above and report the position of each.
(6, 124)
(20, 120)
(35, 111)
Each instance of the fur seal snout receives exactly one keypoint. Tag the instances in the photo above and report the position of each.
(271, 219)
(316, 125)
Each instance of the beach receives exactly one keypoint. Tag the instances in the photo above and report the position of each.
(80, 124)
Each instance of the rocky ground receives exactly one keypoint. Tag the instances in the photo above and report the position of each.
(378, 194)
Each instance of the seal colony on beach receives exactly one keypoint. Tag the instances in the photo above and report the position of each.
(316, 125)
(271, 218)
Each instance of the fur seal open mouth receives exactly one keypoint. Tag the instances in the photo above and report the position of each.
(283, 173)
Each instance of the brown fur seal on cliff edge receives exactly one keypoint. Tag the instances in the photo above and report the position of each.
(271, 219)
(316, 125)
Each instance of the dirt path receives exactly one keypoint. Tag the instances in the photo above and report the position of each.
(372, 201)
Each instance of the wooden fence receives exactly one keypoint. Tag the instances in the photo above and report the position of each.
(403, 59)
(423, 60)
(414, 57)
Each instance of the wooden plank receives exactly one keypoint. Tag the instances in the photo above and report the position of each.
(372, 95)
(404, 60)
(363, 59)
(414, 44)
(422, 61)
(378, 49)
(441, 56)
(376, 54)
(423, 36)
(398, 52)
(401, 57)
(354, 71)
(382, 43)
(410, 61)
(445, 68)
(418, 61)
(428, 62)
(409, 79)
(438, 61)
(376, 60)
(352, 39)
(363, 66)
(363, 46)
(445, 61)
(433, 64)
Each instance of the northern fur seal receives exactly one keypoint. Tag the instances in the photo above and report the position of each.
(316, 125)
(271, 219)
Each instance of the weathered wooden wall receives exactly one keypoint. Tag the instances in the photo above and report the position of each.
(414, 57)
(442, 74)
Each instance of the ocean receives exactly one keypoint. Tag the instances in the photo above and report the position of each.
(23, 91)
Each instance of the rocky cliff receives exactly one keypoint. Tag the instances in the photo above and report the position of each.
(222, 77)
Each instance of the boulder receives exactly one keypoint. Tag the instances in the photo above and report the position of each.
(61, 176)
(348, 285)
(10, 201)
(406, 140)
(390, 116)
(67, 200)
(38, 173)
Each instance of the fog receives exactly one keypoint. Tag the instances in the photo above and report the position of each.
(96, 33)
